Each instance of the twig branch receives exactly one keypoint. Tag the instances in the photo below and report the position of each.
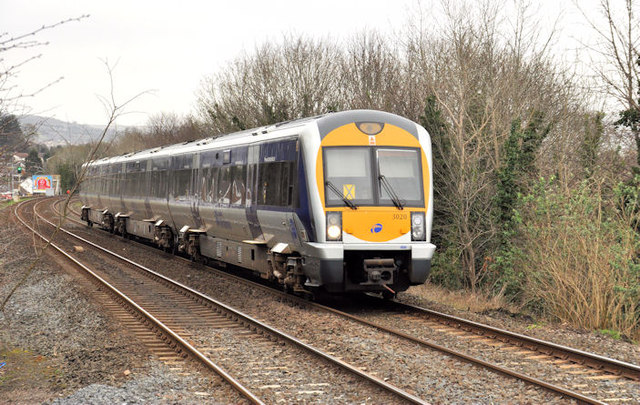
(116, 110)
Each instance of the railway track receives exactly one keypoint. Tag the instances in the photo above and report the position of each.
(273, 365)
(567, 361)
(140, 321)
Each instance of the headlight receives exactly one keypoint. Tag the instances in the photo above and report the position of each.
(334, 225)
(417, 226)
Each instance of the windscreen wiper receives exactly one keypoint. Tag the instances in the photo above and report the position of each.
(347, 201)
(394, 197)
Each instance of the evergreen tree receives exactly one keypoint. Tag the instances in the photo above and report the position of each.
(593, 130)
(11, 136)
(518, 168)
(630, 118)
(33, 163)
(68, 176)
(434, 123)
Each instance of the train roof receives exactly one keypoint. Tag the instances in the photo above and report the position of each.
(325, 122)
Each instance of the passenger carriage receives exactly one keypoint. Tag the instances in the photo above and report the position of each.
(340, 202)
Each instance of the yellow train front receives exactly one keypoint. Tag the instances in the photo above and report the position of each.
(370, 199)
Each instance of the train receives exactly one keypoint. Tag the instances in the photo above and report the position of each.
(338, 203)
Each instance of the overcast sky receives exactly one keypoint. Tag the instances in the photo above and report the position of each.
(169, 46)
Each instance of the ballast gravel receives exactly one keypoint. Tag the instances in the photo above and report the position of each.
(434, 378)
(59, 346)
(158, 385)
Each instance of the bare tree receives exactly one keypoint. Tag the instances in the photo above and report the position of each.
(372, 74)
(618, 41)
(12, 96)
(297, 78)
(114, 110)
(10, 93)
(616, 64)
(482, 78)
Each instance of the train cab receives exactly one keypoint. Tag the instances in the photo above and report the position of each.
(373, 181)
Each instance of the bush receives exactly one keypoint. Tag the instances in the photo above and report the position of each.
(579, 255)
(445, 269)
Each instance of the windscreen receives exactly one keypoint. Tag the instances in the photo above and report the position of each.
(401, 168)
(354, 173)
(349, 171)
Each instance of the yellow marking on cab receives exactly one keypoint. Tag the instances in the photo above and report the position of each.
(349, 191)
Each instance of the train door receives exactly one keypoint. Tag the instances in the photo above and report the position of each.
(122, 183)
(251, 192)
(148, 177)
(276, 191)
(195, 192)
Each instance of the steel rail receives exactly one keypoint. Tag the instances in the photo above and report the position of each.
(499, 369)
(595, 361)
(256, 323)
(121, 296)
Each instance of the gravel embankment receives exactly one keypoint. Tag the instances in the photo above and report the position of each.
(59, 345)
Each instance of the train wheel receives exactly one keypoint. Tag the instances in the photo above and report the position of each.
(195, 258)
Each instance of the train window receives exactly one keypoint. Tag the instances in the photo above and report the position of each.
(238, 176)
(205, 183)
(138, 187)
(224, 185)
(269, 183)
(160, 163)
(101, 181)
(250, 197)
(159, 183)
(348, 169)
(277, 184)
(181, 182)
(131, 184)
(134, 189)
(213, 181)
(126, 181)
(164, 184)
(207, 159)
(153, 187)
(291, 185)
(401, 168)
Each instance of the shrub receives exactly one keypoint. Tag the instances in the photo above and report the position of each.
(580, 255)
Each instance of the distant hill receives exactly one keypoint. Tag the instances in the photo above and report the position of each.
(53, 132)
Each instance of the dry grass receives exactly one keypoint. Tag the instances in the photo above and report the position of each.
(461, 299)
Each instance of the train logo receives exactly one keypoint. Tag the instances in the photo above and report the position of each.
(376, 228)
